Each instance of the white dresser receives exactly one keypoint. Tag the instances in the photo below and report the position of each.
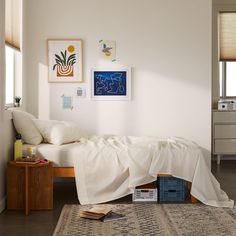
(224, 133)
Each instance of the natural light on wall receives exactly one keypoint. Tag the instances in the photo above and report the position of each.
(9, 75)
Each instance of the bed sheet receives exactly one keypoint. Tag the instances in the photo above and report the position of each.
(110, 167)
(58, 154)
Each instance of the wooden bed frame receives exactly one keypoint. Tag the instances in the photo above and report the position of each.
(66, 172)
(63, 172)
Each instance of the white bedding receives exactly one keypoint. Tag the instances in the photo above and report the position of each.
(109, 167)
(58, 154)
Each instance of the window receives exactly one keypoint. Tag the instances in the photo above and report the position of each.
(13, 84)
(227, 72)
(13, 28)
(227, 46)
(9, 94)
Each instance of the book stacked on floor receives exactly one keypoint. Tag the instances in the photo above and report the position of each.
(103, 213)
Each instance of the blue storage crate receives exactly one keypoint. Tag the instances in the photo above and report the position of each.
(172, 189)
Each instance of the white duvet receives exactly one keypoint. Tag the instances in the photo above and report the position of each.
(109, 167)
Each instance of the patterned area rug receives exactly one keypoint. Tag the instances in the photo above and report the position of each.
(151, 219)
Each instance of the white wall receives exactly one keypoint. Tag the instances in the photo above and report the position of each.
(6, 132)
(2, 15)
(6, 151)
(166, 42)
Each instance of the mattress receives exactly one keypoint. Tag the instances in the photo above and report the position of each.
(58, 154)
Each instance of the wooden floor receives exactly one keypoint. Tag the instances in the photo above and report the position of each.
(40, 223)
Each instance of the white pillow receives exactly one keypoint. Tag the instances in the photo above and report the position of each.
(58, 132)
(25, 126)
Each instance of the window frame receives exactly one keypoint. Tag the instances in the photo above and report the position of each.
(217, 8)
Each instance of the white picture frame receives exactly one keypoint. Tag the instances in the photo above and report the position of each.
(112, 84)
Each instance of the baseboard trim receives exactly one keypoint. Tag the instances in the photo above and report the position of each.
(2, 204)
(225, 157)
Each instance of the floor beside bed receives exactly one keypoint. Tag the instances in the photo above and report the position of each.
(44, 222)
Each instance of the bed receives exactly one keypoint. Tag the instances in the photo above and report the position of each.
(147, 157)
(62, 165)
(109, 167)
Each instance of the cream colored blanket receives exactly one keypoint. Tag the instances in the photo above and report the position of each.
(109, 167)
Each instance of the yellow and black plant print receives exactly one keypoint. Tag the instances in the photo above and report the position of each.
(64, 65)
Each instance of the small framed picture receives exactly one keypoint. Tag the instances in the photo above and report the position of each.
(67, 102)
(111, 84)
(107, 50)
(65, 60)
(81, 92)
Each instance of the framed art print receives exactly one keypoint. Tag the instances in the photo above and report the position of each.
(67, 102)
(65, 60)
(111, 84)
(107, 50)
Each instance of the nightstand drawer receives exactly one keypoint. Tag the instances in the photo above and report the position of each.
(227, 116)
(225, 131)
(226, 146)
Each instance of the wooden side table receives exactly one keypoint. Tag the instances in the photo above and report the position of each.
(29, 186)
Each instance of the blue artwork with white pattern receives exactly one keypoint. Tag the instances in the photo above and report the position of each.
(110, 83)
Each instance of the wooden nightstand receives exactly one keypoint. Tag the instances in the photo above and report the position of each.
(29, 186)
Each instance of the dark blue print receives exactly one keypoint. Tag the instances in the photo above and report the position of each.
(110, 83)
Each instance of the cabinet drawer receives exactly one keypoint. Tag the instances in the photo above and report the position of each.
(221, 116)
(225, 146)
(225, 131)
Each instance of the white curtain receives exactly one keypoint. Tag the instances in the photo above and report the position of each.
(227, 36)
(13, 23)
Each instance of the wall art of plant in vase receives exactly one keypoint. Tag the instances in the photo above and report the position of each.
(64, 65)
(65, 60)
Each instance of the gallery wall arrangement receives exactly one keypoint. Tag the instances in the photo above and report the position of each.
(65, 63)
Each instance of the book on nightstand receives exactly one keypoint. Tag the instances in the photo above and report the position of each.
(28, 160)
